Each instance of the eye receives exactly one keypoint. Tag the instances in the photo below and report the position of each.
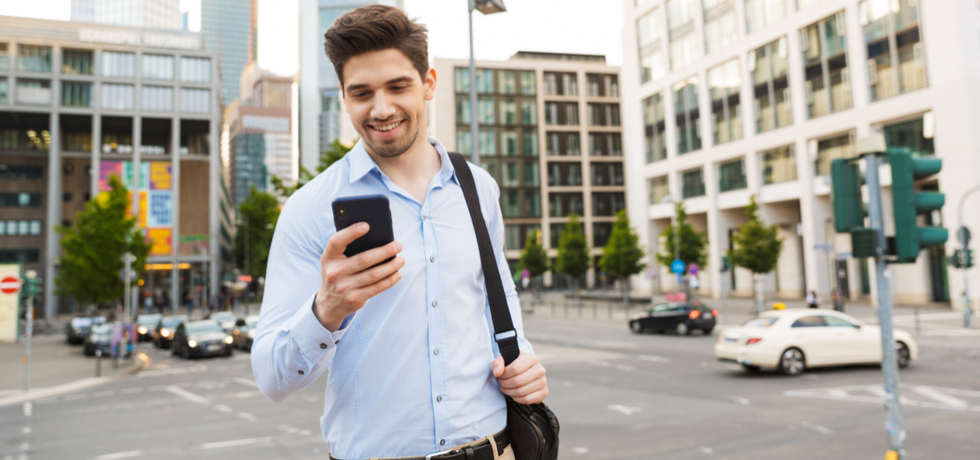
(398, 88)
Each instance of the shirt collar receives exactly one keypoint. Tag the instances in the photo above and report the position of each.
(361, 162)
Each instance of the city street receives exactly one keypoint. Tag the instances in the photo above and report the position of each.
(618, 395)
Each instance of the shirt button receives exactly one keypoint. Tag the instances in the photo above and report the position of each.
(442, 443)
(439, 399)
(436, 351)
(423, 217)
(301, 372)
(323, 346)
(435, 303)
(432, 259)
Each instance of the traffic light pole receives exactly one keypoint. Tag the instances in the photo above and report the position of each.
(965, 242)
(889, 361)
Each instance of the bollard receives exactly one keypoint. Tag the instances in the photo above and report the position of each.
(916, 311)
(98, 362)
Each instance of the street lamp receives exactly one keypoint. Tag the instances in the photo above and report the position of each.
(485, 7)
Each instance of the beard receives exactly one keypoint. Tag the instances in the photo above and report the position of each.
(390, 148)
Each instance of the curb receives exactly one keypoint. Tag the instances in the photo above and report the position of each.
(144, 362)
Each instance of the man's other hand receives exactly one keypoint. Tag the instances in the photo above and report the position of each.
(348, 282)
(523, 380)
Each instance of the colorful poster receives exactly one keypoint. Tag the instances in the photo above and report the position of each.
(154, 175)
(161, 241)
(160, 208)
(193, 245)
(160, 175)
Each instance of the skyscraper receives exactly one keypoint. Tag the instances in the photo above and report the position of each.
(225, 25)
(147, 14)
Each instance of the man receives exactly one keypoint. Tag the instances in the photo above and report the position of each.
(813, 300)
(413, 368)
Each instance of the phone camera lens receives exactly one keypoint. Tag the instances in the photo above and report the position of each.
(342, 211)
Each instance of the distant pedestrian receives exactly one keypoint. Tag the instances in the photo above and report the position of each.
(838, 298)
(148, 304)
(813, 300)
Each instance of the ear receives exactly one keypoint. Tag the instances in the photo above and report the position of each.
(430, 84)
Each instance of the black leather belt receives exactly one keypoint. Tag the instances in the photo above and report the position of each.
(481, 451)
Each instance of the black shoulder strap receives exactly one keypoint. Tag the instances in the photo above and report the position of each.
(503, 326)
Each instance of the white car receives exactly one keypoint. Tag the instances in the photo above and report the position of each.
(793, 340)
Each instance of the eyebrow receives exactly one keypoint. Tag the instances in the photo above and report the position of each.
(402, 79)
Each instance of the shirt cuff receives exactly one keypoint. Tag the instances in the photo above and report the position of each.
(314, 340)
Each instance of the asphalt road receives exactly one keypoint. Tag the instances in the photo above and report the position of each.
(618, 396)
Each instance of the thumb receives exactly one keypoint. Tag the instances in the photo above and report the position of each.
(497, 366)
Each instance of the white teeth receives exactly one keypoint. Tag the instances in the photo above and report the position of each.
(387, 127)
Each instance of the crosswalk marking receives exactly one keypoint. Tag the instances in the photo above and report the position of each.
(910, 395)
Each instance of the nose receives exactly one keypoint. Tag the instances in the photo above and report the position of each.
(383, 108)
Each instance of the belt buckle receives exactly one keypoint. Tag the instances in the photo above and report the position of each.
(447, 451)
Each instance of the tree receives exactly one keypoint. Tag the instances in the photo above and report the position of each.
(693, 244)
(257, 220)
(757, 248)
(534, 258)
(623, 254)
(573, 252)
(336, 152)
(92, 261)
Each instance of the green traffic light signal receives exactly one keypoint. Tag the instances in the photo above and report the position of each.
(908, 204)
(845, 180)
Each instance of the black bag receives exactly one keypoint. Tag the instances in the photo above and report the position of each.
(532, 428)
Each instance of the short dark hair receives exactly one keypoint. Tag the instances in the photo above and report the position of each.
(375, 28)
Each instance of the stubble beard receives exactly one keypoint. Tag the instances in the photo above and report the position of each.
(395, 147)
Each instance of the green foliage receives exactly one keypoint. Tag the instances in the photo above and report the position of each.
(92, 260)
(258, 215)
(573, 250)
(534, 258)
(622, 255)
(757, 247)
(327, 158)
(694, 244)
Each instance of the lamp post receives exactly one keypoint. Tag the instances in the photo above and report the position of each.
(485, 7)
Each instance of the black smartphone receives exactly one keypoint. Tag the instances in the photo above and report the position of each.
(374, 210)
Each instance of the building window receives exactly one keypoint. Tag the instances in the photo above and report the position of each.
(530, 143)
(34, 58)
(719, 24)
(692, 183)
(516, 234)
(508, 111)
(891, 33)
(195, 100)
(561, 113)
(654, 124)
(828, 87)
(683, 41)
(607, 174)
(563, 204)
(608, 204)
(600, 233)
(557, 230)
(532, 174)
(76, 94)
(760, 14)
(563, 144)
(508, 82)
(462, 80)
(463, 111)
(195, 70)
(484, 81)
(659, 189)
(912, 136)
(508, 142)
(688, 116)
(33, 92)
(20, 200)
(605, 144)
(831, 149)
(20, 255)
(67, 197)
(76, 62)
(770, 82)
(485, 111)
(487, 141)
(464, 142)
(4, 56)
(528, 83)
(725, 83)
(3, 90)
(603, 114)
(117, 97)
(21, 172)
(731, 175)
(602, 85)
(119, 65)
(779, 165)
(652, 64)
(20, 227)
(157, 98)
(560, 84)
(157, 67)
(529, 113)
(564, 174)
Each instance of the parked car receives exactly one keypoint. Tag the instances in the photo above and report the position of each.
(226, 319)
(164, 332)
(201, 338)
(145, 324)
(793, 340)
(99, 338)
(244, 332)
(681, 317)
(78, 328)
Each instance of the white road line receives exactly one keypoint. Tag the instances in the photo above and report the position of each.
(654, 359)
(818, 428)
(707, 450)
(118, 455)
(178, 370)
(235, 443)
(129, 391)
(25, 430)
(246, 382)
(28, 409)
(742, 401)
(625, 368)
(940, 397)
(192, 397)
(247, 416)
(625, 410)
(580, 450)
(222, 408)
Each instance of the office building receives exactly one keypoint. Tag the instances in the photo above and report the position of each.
(549, 134)
(75, 100)
(734, 98)
(227, 26)
(146, 14)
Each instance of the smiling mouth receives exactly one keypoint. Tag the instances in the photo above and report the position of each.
(387, 127)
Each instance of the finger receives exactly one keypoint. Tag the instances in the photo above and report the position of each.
(373, 275)
(524, 390)
(523, 378)
(523, 362)
(368, 259)
(371, 290)
(497, 366)
(340, 240)
(532, 398)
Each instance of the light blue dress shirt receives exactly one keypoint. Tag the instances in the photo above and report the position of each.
(409, 374)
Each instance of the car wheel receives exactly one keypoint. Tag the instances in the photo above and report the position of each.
(903, 354)
(229, 352)
(792, 362)
(682, 329)
(752, 369)
(636, 327)
(708, 330)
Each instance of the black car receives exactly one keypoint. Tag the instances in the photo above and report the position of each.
(164, 332)
(244, 331)
(78, 328)
(145, 325)
(201, 338)
(99, 338)
(682, 317)
(226, 319)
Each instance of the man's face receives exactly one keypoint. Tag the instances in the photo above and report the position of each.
(385, 97)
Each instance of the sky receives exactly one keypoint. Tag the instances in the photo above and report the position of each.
(570, 26)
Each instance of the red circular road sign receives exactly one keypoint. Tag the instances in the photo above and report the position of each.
(9, 285)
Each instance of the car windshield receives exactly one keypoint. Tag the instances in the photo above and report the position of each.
(173, 321)
(146, 320)
(101, 329)
(203, 327)
(81, 322)
(759, 322)
(221, 317)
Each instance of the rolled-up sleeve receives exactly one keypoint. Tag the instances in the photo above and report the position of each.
(292, 348)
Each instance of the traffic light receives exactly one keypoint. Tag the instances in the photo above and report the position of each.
(908, 204)
(845, 180)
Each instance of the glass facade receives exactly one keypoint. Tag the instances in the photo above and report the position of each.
(683, 40)
(719, 24)
(119, 65)
(564, 174)
(560, 84)
(76, 94)
(3, 90)
(605, 144)
(563, 204)
(157, 67)
(563, 144)
(760, 14)
(76, 62)
(770, 81)
(117, 97)
(653, 66)
(603, 114)
(896, 56)
(824, 46)
(607, 174)
(692, 183)
(654, 125)
(778, 165)
(561, 113)
(725, 84)
(528, 83)
(831, 149)
(20, 227)
(194, 100)
(225, 27)
(731, 175)
(196, 70)
(659, 189)
(4, 56)
(157, 98)
(33, 58)
(686, 110)
(33, 92)
(608, 203)
(602, 85)
(910, 136)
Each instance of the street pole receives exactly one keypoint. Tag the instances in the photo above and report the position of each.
(889, 363)
(677, 241)
(474, 126)
(127, 297)
(27, 343)
(964, 242)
